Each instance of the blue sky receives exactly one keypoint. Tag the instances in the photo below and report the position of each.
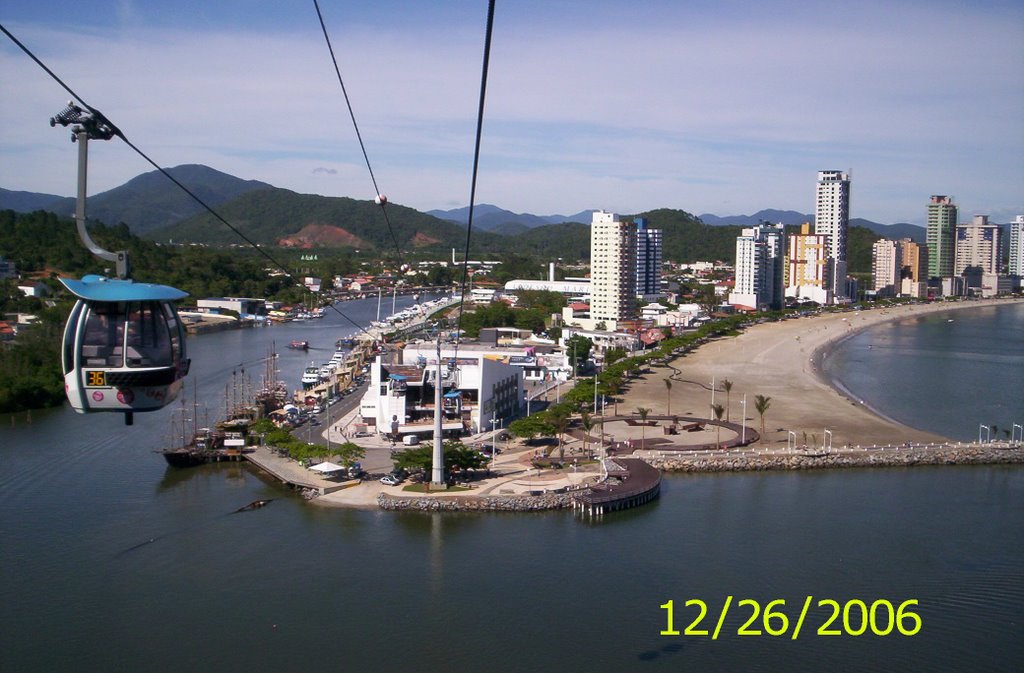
(721, 107)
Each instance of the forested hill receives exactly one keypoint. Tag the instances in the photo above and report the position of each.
(150, 201)
(686, 238)
(283, 217)
(45, 245)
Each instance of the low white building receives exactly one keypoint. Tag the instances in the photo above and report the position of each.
(483, 295)
(243, 306)
(603, 340)
(684, 315)
(475, 389)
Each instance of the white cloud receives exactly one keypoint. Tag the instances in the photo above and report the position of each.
(722, 112)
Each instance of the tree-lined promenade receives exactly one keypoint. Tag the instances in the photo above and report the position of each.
(770, 363)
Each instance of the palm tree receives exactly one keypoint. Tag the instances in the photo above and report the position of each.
(718, 409)
(560, 424)
(761, 403)
(614, 388)
(727, 387)
(642, 412)
(668, 397)
(587, 423)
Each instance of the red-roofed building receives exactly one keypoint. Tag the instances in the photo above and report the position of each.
(7, 332)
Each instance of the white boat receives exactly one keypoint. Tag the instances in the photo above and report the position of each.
(311, 376)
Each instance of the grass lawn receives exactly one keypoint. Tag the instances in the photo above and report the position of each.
(425, 488)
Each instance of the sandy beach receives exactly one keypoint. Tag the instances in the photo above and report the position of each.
(780, 360)
(777, 359)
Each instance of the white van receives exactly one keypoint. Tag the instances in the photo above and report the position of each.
(410, 440)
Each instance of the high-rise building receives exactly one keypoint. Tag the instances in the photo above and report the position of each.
(941, 237)
(1017, 246)
(809, 276)
(886, 264)
(832, 219)
(978, 247)
(760, 260)
(612, 268)
(648, 260)
(915, 260)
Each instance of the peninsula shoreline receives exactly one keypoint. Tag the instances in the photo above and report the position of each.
(782, 360)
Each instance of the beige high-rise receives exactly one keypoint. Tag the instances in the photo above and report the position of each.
(612, 268)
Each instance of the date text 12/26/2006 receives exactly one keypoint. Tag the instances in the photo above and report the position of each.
(855, 617)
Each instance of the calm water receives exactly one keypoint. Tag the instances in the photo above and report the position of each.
(944, 372)
(112, 561)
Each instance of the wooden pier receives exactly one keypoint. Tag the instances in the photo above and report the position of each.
(636, 483)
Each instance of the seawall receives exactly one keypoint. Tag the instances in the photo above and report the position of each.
(877, 457)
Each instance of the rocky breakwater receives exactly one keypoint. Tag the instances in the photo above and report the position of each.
(889, 457)
(498, 503)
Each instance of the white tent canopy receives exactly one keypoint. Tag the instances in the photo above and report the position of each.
(327, 468)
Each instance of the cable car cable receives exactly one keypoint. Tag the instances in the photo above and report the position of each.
(101, 118)
(381, 200)
(476, 166)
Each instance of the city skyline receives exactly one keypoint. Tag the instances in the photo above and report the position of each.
(918, 99)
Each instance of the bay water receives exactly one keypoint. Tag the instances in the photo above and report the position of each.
(111, 560)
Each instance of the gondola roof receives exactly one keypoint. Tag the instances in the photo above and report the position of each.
(100, 288)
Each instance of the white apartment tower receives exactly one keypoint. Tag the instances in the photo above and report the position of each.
(832, 219)
(648, 260)
(886, 265)
(978, 247)
(612, 268)
(760, 262)
(1017, 246)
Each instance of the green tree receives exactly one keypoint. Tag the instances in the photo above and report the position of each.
(458, 457)
(727, 387)
(642, 413)
(531, 427)
(349, 453)
(761, 403)
(718, 410)
(613, 355)
(577, 347)
(560, 424)
(587, 424)
(415, 458)
(614, 387)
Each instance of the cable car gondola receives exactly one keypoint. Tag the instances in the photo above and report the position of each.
(124, 346)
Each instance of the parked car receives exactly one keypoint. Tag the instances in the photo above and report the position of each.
(390, 480)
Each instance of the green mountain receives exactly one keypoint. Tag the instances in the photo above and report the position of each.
(283, 217)
(26, 202)
(150, 201)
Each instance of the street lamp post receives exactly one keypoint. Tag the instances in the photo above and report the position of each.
(988, 433)
(494, 441)
(827, 433)
(743, 434)
(1013, 433)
